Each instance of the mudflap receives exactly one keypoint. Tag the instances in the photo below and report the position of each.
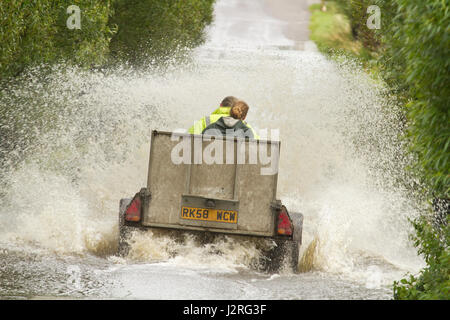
(284, 255)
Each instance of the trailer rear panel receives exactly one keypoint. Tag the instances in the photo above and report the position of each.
(212, 183)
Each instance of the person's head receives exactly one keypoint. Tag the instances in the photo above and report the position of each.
(239, 110)
(229, 101)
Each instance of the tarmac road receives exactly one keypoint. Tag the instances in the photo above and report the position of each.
(282, 23)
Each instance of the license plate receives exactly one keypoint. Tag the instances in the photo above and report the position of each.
(203, 214)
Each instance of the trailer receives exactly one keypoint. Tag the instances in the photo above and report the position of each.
(210, 186)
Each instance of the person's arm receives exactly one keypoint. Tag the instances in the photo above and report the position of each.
(255, 136)
(198, 126)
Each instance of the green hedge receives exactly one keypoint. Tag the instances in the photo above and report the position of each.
(35, 32)
(411, 51)
(153, 30)
(417, 47)
(413, 47)
(433, 282)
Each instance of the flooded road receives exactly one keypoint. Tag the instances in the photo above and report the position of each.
(32, 275)
(340, 164)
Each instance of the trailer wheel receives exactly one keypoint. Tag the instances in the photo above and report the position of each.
(124, 232)
(291, 249)
(283, 255)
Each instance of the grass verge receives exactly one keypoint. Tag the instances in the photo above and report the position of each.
(331, 32)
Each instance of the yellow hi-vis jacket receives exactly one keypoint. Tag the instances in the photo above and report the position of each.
(220, 112)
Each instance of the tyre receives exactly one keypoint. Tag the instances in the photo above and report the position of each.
(124, 231)
(284, 255)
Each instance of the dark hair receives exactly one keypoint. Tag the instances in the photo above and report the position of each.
(239, 110)
(229, 101)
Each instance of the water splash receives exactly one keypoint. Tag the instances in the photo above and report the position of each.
(224, 253)
(85, 145)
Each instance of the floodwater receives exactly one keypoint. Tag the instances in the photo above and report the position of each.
(341, 163)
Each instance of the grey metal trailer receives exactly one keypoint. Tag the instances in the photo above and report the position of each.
(214, 186)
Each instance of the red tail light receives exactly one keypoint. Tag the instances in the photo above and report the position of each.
(133, 211)
(284, 223)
